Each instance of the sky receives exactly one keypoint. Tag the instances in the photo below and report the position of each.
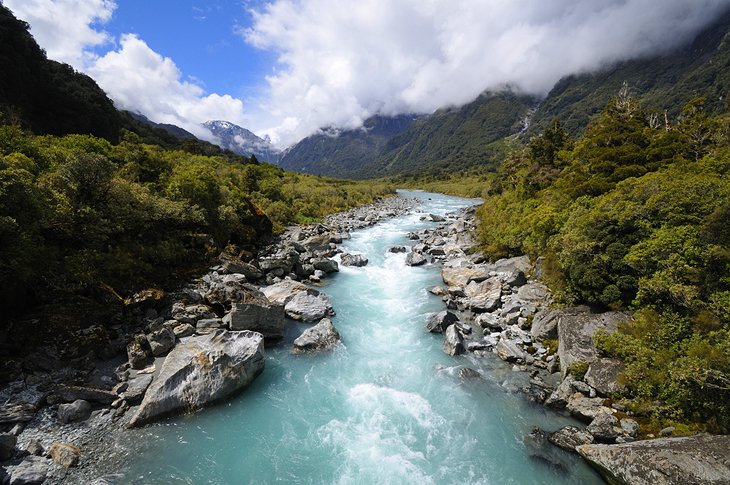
(286, 68)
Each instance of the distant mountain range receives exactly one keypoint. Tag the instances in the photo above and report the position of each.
(477, 135)
(242, 141)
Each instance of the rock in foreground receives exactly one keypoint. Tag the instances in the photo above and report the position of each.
(202, 370)
(322, 336)
(690, 460)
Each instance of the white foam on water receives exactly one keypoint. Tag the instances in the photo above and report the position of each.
(385, 438)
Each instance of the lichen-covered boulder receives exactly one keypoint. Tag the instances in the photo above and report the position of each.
(701, 459)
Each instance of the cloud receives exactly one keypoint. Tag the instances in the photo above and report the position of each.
(139, 79)
(340, 62)
(65, 28)
(133, 75)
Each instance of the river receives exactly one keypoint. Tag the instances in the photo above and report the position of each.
(385, 407)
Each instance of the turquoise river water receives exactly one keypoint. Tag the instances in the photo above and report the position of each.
(384, 408)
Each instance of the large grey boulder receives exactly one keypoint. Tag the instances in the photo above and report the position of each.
(439, 322)
(257, 314)
(535, 293)
(322, 336)
(308, 308)
(78, 410)
(605, 428)
(484, 296)
(545, 323)
(453, 341)
(348, 259)
(33, 470)
(415, 259)
(325, 264)
(569, 437)
(462, 275)
(136, 388)
(701, 459)
(586, 408)
(161, 341)
(202, 370)
(604, 376)
(509, 351)
(575, 335)
(283, 291)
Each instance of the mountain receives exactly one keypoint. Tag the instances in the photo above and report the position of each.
(477, 135)
(667, 82)
(173, 130)
(343, 153)
(451, 138)
(242, 141)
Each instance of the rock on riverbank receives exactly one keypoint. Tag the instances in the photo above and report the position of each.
(203, 370)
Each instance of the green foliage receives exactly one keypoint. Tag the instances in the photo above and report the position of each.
(78, 213)
(634, 216)
(578, 370)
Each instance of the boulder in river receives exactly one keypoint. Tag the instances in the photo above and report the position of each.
(439, 322)
(325, 264)
(358, 260)
(308, 308)
(696, 459)
(453, 341)
(202, 370)
(322, 336)
(415, 259)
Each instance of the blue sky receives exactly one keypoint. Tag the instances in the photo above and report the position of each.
(200, 36)
(286, 68)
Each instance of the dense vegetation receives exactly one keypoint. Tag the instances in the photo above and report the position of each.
(634, 215)
(79, 214)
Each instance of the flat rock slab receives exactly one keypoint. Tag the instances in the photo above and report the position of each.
(701, 459)
(283, 291)
(461, 276)
(575, 335)
(201, 371)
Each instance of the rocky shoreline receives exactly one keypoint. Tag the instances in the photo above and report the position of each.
(206, 343)
(181, 352)
(503, 308)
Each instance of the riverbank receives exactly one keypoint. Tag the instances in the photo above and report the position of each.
(59, 418)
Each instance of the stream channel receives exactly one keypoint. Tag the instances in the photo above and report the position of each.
(385, 407)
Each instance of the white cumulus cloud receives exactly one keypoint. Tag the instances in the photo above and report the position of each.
(133, 75)
(342, 61)
(139, 79)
